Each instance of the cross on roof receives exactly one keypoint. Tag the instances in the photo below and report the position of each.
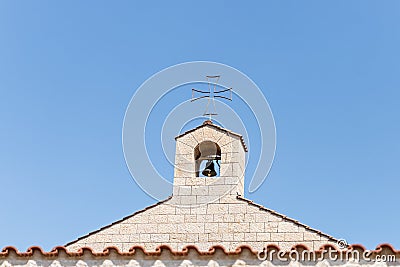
(211, 94)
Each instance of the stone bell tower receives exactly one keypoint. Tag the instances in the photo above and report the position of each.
(201, 149)
(207, 207)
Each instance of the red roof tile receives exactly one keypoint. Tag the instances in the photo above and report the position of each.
(383, 249)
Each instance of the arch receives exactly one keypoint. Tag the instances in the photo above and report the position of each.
(206, 151)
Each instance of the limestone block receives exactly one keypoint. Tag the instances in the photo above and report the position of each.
(98, 247)
(217, 134)
(220, 190)
(144, 238)
(238, 237)
(134, 238)
(182, 148)
(207, 199)
(179, 181)
(271, 227)
(122, 238)
(112, 230)
(167, 228)
(189, 139)
(215, 208)
(199, 190)
(237, 170)
(195, 181)
(184, 158)
(277, 237)
(274, 218)
(228, 198)
(192, 238)
(223, 228)
(286, 246)
(211, 227)
(200, 218)
(218, 217)
(227, 237)
(229, 217)
(240, 217)
(198, 209)
(104, 238)
(260, 217)
(250, 217)
(209, 218)
(248, 237)
(226, 141)
(176, 218)
(187, 200)
(230, 180)
(214, 237)
(239, 227)
(237, 208)
(146, 228)
(191, 228)
(160, 238)
(226, 169)
(182, 210)
(257, 227)
(203, 237)
(297, 237)
(198, 135)
(166, 209)
(263, 237)
(190, 218)
(175, 190)
(128, 229)
(210, 134)
(309, 236)
(255, 210)
(179, 173)
(287, 227)
(178, 238)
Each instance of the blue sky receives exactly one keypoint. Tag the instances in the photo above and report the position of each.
(329, 70)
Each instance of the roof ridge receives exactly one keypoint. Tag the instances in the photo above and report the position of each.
(261, 207)
(118, 221)
(217, 127)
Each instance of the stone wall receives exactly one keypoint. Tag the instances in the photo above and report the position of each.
(233, 223)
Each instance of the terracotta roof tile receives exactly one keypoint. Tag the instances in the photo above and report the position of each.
(85, 252)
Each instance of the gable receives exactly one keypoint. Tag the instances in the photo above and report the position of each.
(228, 224)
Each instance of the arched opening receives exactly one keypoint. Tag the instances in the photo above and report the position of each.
(207, 156)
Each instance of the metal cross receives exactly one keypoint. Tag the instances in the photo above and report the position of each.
(211, 95)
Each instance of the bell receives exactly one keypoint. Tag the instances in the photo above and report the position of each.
(209, 170)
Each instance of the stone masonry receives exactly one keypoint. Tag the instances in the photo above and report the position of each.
(205, 211)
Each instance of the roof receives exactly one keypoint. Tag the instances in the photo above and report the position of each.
(135, 251)
(210, 124)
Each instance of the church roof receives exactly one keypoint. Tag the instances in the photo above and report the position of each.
(166, 251)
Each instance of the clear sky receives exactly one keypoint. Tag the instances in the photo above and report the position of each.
(330, 71)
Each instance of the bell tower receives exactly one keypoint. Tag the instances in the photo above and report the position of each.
(209, 165)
